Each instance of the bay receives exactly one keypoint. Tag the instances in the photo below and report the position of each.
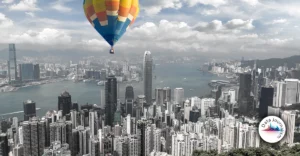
(194, 83)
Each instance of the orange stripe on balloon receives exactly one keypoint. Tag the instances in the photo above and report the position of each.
(102, 16)
(112, 5)
(133, 10)
(90, 10)
(123, 11)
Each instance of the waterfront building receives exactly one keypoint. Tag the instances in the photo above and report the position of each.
(12, 63)
(65, 103)
(29, 108)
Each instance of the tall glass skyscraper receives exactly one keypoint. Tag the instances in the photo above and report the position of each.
(27, 72)
(147, 75)
(110, 99)
(29, 108)
(65, 103)
(12, 63)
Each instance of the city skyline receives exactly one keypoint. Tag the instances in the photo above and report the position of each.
(188, 77)
(160, 120)
(251, 27)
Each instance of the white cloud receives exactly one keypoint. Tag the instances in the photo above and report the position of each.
(278, 42)
(47, 36)
(232, 26)
(239, 24)
(251, 2)
(215, 25)
(279, 21)
(250, 36)
(25, 5)
(154, 7)
(5, 22)
(60, 6)
(7, 1)
(210, 12)
(215, 3)
(31, 14)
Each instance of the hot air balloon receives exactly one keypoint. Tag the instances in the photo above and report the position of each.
(111, 18)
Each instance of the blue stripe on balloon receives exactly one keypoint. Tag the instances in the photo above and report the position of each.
(103, 31)
(109, 39)
(122, 29)
(112, 20)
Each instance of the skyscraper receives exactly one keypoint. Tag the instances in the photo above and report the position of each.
(103, 74)
(178, 95)
(102, 98)
(12, 63)
(26, 72)
(167, 94)
(129, 106)
(36, 72)
(4, 149)
(29, 109)
(34, 137)
(289, 118)
(129, 93)
(244, 93)
(144, 135)
(291, 91)
(111, 99)
(64, 103)
(266, 99)
(147, 76)
(129, 96)
(159, 96)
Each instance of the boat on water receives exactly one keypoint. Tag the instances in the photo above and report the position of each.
(101, 83)
(229, 76)
(18, 112)
(87, 80)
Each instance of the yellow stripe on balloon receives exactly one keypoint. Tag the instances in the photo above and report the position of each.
(99, 5)
(125, 6)
(135, 15)
(88, 2)
(137, 12)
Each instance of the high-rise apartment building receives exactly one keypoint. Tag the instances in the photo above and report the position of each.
(291, 93)
(244, 100)
(178, 95)
(34, 137)
(289, 118)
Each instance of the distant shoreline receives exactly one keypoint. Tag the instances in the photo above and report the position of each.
(8, 88)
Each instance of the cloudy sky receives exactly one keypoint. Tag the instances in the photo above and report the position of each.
(254, 28)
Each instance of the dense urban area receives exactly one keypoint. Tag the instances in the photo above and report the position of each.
(163, 124)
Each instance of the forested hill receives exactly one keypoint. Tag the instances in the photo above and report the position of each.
(276, 62)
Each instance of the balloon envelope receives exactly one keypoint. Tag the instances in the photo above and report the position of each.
(111, 18)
